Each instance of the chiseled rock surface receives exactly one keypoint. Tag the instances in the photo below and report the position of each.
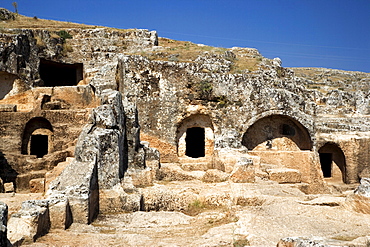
(102, 140)
(284, 175)
(59, 212)
(79, 182)
(30, 223)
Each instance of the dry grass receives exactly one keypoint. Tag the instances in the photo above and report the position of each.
(173, 50)
(185, 51)
(35, 23)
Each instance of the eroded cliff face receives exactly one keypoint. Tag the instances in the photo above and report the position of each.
(235, 96)
(96, 115)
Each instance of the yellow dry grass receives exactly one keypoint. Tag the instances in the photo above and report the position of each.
(173, 50)
(36, 23)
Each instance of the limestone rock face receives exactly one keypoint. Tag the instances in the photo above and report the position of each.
(79, 183)
(59, 212)
(364, 188)
(360, 200)
(31, 222)
(243, 171)
(3, 224)
(102, 141)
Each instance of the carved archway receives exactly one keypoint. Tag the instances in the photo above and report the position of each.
(277, 132)
(333, 162)
(195, 137)
(37, 137)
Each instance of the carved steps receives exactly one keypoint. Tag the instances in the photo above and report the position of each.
(195, 164)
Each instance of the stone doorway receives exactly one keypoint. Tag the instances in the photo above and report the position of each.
(39, 145)
(37, 137)
(195, 137)
(333, 162)
(195, 144)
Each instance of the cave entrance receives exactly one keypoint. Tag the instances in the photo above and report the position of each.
(39, 145)
(326, 160)
(60, 74)
(195, 137)
(195, 144)
(333, 162)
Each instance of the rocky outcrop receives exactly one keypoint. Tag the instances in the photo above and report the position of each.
(79, 184)
(102, 141)
(31, 222)
(359, 201)
(3, 224)
(6, 15)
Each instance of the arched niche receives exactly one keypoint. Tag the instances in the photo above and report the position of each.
(195, 137)
(333, 162)
(277, 132)
(6, 83)
(37, 137)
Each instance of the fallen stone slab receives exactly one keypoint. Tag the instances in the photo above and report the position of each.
(243, 172)
(30, 223)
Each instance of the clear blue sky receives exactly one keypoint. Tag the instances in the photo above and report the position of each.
(303, 33)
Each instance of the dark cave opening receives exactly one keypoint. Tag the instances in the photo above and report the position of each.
(195, 144)
(326, 160)
(39, 145)
(60, 74)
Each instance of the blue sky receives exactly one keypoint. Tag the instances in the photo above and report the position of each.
(303, 33)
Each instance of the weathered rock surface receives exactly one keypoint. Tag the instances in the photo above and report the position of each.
(360, 199)
(243, 171)
(3, 224)
(30, 223)
(6, 15)
(215, 176)
(79, 183)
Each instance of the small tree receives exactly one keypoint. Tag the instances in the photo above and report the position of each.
(15, 5)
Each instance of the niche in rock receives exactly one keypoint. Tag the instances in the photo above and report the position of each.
(60, 74)
(333, 162)
(6, 83)
(277, 132)
(37, 137)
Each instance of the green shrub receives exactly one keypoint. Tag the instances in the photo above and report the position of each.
(64, 34)
(205, 90)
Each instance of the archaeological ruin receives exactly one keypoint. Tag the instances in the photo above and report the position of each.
(94, 122)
